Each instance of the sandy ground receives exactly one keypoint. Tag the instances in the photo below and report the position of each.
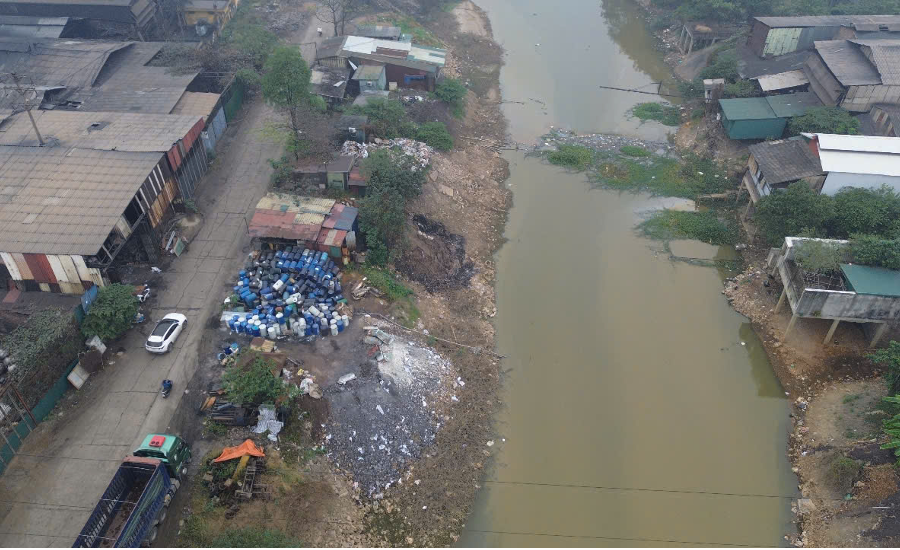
(470, 19)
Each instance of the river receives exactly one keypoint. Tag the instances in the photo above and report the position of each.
(639, 408)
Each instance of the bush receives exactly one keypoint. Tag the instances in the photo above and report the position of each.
(436, 135)
(387, 118)
(890, 358)
(891, 428)
(112, 313)
(450, 90)
(825, 120)
(820, 256)
(387, 283)
(858, 210)
(723, 65)
(252, 382)
(676, 224)
(787, 213)
(691, 89)
(875, 251)
(576, 157)
(254, 537)
(666, 114)
(741, 88)
(634, 151)
(842, 473)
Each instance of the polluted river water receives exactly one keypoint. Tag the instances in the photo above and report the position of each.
(638, 408)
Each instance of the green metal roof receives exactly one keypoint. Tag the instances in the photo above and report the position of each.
(368, 72)
(876, 281)
(750, 108)
(789, 105)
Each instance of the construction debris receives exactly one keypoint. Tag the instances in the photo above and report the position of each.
(420, 151)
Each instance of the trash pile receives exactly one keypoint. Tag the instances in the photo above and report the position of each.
(416, 149)
(390, 410)
(288, 292)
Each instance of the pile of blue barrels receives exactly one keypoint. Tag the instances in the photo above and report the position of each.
(291, 291)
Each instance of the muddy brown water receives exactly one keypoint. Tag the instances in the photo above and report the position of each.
(639, 408)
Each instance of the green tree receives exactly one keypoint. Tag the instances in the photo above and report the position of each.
(891, 427)
(787, 213)
(393, 170)
(382, 219)
(452, 92)
(387, 118)
(285, 82)
(436, 135)
(252, 383)
(112, 313)
(875, 251)
(741, 88)
(722, 65)
(825, 120)
(859, 210)
(890, 358)
(247, 34)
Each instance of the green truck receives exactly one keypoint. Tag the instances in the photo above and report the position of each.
(135, 503)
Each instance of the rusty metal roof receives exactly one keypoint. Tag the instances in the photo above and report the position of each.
(341, 217)
(331, 237)
(284, 216)
(65, 201)
(196, 103)
(103, 131)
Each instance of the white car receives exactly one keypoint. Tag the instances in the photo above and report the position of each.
(165, 332)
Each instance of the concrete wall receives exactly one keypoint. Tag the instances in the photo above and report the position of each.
(835, 181)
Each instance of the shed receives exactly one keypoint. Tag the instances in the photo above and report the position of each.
(334, 174)
(383, 32)
(750, 118)
(791, 105)
(774, 36)
(330, 83)
(280, 216)
(371, 77)
(781, 82)
(774, 165)
(873, 281)
(358, 183)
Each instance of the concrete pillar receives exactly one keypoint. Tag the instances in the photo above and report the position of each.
(781, 300)
(879, 332)
(831, 330)
(794, 318)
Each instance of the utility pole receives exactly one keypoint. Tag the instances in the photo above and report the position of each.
(16, 79)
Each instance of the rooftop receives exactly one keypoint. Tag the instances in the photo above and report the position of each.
(751, 65)
(782, 81)
(787, 160)
(393, 52)
(748, 108)
(876, 281)
(861, 22)
(137, 133)
(196, 103)
(848, 64)
(379, 31)
(292, 217)
(789, 105)
(877, 155)
(31, 28)
(65, 201)
(329, 81)
(885, 54)
(368, 72)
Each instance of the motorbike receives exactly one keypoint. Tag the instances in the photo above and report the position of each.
(166, 388)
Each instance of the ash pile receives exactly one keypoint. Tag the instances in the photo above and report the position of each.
(387, 415)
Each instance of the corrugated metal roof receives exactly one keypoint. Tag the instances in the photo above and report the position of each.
(876, 155)
(875, 281)
(790, 105)
(331, 237)
(405, 54)
(366, 45)
(749, 108)
(847, 63)
(341, 217)
(329, 81)
(368, 72)
(102, 131)
(829, 20)
(782, 161)
(330, 47)
(886, 56)
(196, 103)
(782, 81)
(379, 31)
(65, 201)
(31, 28)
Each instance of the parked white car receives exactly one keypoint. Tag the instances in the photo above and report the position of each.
(165, 332)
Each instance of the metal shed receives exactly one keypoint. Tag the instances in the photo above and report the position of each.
(874, 281)
(751, 118)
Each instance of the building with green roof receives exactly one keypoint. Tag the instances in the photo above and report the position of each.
(763, 117)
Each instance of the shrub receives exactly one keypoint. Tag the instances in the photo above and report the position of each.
(723, 65)
(112, 313)
(691, 88)
(842, 473)
(436, 135)
(254, 537)
(676, 224)
(634, 151)
(576, 157)
(252, 382)
(666, 114)
(875, 251)
(891, 427)
(858, 210)
(741, 88)
(450, 90)
(820, 256)
(826, 120)
(890, 358)
(789, 212)
(387, 118)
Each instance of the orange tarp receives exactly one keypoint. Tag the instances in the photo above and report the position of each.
(247, 448)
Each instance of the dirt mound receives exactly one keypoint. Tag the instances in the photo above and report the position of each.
(435, 257)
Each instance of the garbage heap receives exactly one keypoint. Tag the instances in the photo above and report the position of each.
(418, 150)
(291, 291)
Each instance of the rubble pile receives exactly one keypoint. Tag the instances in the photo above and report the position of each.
(416, 149)
(287, 292)
(391, 411)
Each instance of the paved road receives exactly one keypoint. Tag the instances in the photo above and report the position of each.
(51, 486)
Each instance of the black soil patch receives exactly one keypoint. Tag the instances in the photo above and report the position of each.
(887, 533)
(435, 257)
(872, 453)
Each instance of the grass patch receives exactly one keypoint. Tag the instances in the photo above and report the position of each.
(665, 114)
(842, 473)
(402, 296)
(215, 429)
(634, 151)
(851, 398)
(576, 157)
(666, 177)
(704, 226)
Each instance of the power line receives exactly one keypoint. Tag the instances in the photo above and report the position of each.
(635, 91)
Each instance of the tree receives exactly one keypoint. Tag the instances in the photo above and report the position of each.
(285, 82)
(436, 135)
(382, 218)
(387, 169)
(337, 12)
(789, 212)
(387, 118)
(825, 120)
(450, 90)
(890, 358)
(252, 382)
(112, 313)
(859, 210)
(875, 251)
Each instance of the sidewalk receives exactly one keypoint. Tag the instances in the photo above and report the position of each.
(53, 484)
